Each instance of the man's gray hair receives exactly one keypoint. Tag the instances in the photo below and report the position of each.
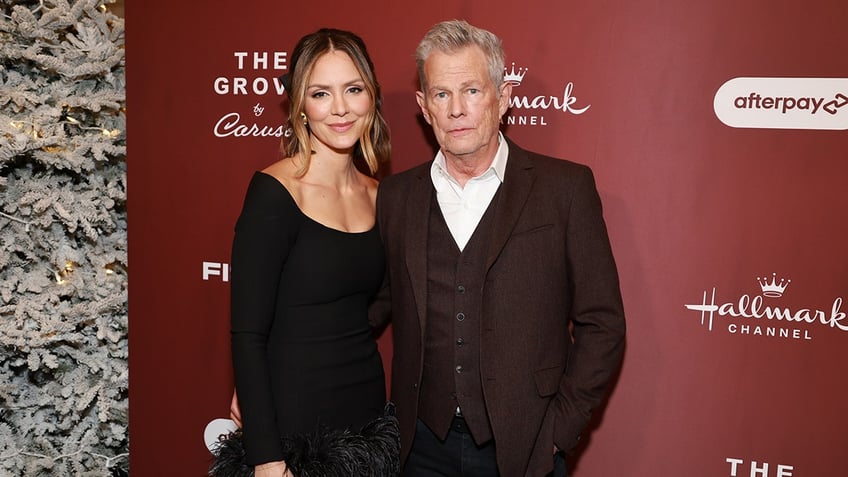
(452, 35)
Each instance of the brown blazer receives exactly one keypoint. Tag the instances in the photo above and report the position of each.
(549, 269)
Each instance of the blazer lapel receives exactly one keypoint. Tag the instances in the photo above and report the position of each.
(518, 182)
(416, 231)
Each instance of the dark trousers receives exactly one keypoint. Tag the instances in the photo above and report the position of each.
(457, 455)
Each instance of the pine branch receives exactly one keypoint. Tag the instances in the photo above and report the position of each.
(63, 262)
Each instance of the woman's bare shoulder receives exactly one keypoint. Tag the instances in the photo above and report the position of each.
(371, 185)
(285, 171)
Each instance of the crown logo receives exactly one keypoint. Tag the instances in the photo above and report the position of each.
(773, 289)
(514, 77)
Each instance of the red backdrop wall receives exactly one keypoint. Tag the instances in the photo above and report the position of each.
(708, 191)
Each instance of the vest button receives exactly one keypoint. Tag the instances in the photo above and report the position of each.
(460, 316)
(458, 368)
(460, 289)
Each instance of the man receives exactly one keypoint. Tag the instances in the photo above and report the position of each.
(501, 285)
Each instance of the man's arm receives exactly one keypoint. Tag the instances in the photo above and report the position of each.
(597, 315)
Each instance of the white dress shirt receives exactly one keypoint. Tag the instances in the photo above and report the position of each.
(463, 207)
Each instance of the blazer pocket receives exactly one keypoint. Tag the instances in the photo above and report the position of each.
(532, 230)
(547, 380)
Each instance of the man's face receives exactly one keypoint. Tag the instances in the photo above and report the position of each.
(462, 104)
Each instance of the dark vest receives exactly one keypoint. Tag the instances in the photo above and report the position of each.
(451, 375)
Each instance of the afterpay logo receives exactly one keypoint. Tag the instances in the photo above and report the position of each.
(783, 103)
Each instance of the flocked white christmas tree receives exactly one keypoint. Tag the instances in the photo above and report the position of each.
(63, 261)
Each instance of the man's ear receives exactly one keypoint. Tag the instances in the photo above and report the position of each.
(422, 103)
(505, 95)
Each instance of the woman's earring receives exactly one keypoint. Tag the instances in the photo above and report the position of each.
(303, 117)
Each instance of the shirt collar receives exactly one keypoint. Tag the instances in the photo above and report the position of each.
(498, 165)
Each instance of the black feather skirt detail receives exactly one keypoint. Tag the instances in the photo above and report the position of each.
(374, 451)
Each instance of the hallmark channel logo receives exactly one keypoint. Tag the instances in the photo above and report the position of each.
(783, 103)
(257, 74)
(528, 110)
(758, 316)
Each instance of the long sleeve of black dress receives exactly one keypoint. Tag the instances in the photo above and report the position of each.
(264, 234)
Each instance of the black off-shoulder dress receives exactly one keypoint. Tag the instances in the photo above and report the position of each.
(304, 355)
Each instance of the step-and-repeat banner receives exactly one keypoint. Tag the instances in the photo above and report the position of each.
(718, 133)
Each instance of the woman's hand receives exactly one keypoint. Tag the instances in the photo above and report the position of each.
(235, 411)
(272, 469)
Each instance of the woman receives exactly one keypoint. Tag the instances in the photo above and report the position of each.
(306, 259)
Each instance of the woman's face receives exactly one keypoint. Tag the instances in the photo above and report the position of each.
(336, 103)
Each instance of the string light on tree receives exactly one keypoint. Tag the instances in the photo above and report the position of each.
(63, 281)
